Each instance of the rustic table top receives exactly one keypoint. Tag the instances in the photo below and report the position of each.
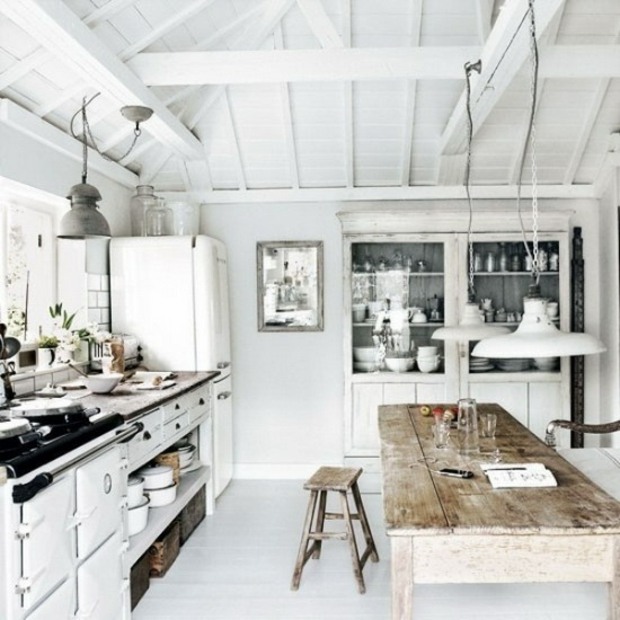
(418, 501)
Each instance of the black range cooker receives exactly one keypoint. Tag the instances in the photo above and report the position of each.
(36, 432)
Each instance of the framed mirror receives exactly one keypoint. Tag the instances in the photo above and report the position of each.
(290, 286)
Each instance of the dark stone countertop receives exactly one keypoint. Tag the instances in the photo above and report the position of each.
(132, 402)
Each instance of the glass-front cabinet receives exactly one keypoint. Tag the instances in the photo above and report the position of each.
(408, 276)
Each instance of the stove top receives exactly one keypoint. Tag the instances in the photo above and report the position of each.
(56, 442)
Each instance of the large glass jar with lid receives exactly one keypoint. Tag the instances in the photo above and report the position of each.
(140, 202)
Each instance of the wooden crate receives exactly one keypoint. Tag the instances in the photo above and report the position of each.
(193, 514)
(139, 579)
(163, 552)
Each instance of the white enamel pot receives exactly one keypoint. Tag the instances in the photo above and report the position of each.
(137, 517)
(162, 497)
(156, 477)
(135, 490)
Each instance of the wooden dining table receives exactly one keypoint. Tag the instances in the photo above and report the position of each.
(452, 530)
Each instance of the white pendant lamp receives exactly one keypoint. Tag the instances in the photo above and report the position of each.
(471, 327)
(536, 335)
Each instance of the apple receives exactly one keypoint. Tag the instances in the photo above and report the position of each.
(425, 410)
(437, 411)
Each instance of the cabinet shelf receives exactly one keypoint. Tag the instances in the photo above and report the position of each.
(411, 325)
(160, 518)
(503, 274)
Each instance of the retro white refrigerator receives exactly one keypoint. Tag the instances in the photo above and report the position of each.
(172, 293)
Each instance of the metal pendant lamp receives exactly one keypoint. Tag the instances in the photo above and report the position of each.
(536, 335)
(471, 327)
(84, 220)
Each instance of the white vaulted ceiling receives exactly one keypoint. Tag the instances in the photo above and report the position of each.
(311, 99)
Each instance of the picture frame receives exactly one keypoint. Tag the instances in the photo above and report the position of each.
(289, 286)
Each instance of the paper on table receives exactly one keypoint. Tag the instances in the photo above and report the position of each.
(519, 475)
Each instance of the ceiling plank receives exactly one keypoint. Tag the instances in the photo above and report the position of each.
(198, 174)
(106, 11)
(506, 49)
(320, 24)
(484, 13)
(234, 140)
(57, 28)
(50, 105)
(152, 167)
(22, 67)
(178, 18)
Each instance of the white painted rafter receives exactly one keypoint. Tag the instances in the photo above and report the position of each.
(51, 104)
(196, 175)
(502, 56)
(58, 29)
(416, 28)
(287, 119)
(106, 11)
(178, 18)
(152, 168)
(321, 25)
(22, 67)
(234, 141)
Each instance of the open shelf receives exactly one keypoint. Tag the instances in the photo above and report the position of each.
(160, 518)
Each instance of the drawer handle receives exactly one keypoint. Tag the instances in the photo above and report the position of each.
(177, 406)
(224, 395)
(177, 426)
(146, 436)
(201, 401)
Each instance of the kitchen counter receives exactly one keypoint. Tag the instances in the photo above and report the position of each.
(132, 402)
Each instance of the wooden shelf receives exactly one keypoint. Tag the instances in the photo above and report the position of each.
(160, 518)
(503, 274)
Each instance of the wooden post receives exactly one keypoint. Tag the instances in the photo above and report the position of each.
(578, 324)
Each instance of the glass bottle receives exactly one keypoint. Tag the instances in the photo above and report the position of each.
(140, 202)
(503, 257)
(158, 219)
(467, 427)
(489, 262)
(543, 258)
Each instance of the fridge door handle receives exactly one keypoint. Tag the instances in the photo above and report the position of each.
(224, 395)
(222, 365)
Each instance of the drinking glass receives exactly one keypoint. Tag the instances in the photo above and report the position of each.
(441, 434)
(467, 426)
(488, 425)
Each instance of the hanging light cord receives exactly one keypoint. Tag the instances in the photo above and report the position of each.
(530, 138)
(469, 67)
(86, 131)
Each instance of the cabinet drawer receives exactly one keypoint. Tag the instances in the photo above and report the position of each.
(174, 408)
(147, 440)
(178, 426)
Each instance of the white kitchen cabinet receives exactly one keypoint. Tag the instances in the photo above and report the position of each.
(222, 434)
(404, 259)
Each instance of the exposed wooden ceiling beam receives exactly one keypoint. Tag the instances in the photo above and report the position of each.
(433, 63)
(22, 67)
(503, 55)
(57, 28)
(106, 11)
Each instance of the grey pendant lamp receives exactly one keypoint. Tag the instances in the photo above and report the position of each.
(84, 220)
(536, 335)
(471, 326)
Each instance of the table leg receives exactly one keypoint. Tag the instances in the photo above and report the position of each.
(402, 577)
(614, 586)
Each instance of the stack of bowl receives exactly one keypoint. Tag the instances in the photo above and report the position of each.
(365, 359)
(138, 505)
(186, 457)
(427, 359)
(159, 484)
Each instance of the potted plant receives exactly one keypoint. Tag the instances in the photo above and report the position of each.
(46, 352)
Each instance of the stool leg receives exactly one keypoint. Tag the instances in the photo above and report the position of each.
(320, 524)
(370, 543)
(303, 554)
(355, 558)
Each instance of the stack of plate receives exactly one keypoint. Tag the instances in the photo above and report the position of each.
(480, 364)
(547, 364)
(513, 364)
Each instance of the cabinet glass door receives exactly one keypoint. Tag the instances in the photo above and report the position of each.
(397, 301)
(502, 276)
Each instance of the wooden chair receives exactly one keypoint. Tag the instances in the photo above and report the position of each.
(609, 427)
(340, 480)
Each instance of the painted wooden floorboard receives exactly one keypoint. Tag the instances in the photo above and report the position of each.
(238, 565)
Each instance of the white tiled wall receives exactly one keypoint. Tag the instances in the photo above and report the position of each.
(99, 299)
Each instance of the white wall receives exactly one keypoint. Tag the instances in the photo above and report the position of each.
(288, 388)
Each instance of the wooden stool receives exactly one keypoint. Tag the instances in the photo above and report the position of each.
(340, 479)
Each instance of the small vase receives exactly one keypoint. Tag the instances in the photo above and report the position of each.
(46, 356)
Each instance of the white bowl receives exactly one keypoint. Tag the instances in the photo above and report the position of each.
(427, 351)
(103, 383)
(364, 366)
(364, 354)
(135, 490)
(156, 477)
(428, 364)
(138, 516)
(399, 364)
(163, 496)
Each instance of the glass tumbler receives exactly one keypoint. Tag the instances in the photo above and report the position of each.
(467, 427)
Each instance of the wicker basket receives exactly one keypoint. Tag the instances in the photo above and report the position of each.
(171, 459)
(163, 552)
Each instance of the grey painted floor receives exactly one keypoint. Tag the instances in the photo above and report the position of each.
(238, 566)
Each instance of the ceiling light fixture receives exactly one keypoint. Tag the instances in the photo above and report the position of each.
(472, 326)
(536, 335)
(84, 220)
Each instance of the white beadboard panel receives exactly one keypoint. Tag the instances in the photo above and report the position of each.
(511, 396)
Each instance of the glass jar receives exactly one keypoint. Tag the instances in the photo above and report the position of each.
(158, 219)
(140, 202)
(185, 218)
(503, 257)
(489, 262)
